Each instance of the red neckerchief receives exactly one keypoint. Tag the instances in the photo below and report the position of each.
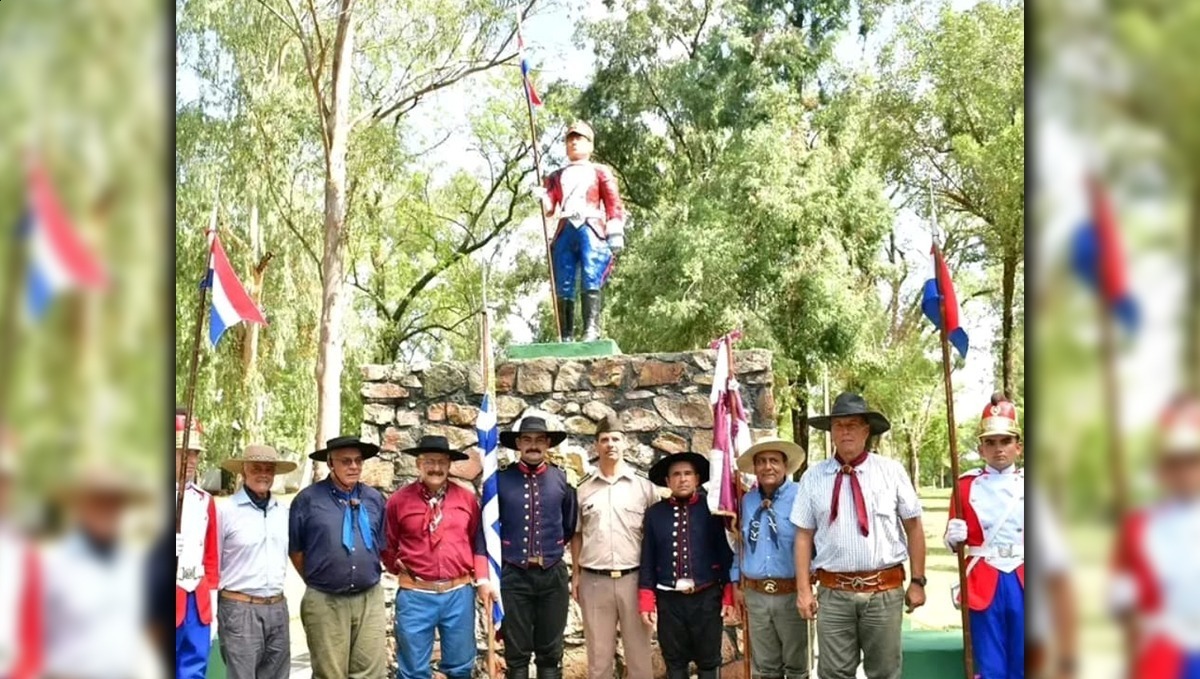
(433, 509)
(860, 504)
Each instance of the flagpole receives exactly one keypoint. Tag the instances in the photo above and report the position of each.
(955, 497)
(8, 317)
(537, 170)
(485, 363)
(190, 398)
(738, 493)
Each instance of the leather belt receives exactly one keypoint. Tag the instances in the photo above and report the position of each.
(614, 574)
(409, 582)
(863, 581)
(689, 590)
(248, 599)
(771, 585)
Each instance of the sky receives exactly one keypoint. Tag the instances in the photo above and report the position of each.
(554, 55)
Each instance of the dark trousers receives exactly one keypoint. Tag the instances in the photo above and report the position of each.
(689, 628)
(535, 614)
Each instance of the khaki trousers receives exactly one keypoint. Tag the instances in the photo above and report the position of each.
(607, 603)
(853, 626)
(347, 637)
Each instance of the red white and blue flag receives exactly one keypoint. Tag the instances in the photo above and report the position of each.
(1098, 258)
(231, 304)
(59, 260)
(530, 92)
(937, 295)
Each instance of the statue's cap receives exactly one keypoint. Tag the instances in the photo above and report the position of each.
(582, 129)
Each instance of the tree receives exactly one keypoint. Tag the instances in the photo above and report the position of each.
(949, 103)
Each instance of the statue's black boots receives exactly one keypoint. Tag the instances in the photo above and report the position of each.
(566, 318)
(591, 315)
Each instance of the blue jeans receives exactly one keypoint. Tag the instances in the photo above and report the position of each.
(998, 633)
(418, 614)
(579, 252)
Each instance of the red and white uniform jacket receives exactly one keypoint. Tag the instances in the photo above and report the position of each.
(993, 505)
(21, 628)
(1156, 575)
(587, 190)
(198, 556)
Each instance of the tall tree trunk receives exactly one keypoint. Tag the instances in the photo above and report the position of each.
(253, 400)
(800, 421)
(1009, 285)
(914, 461)
(337, 131)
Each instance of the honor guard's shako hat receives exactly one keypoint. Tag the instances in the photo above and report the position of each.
(999, 418)
(1179, 428)
(195, 436)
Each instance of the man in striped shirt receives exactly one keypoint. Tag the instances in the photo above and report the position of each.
(861, 512)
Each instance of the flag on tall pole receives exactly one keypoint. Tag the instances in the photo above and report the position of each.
(937, 297)
(231, 304)
(1098, 258)
(59, 260)
(530, 92)
(731, 431)
(489, 439)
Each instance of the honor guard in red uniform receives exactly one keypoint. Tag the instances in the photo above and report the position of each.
(197, 554)
(1156, 588)
(993, 528)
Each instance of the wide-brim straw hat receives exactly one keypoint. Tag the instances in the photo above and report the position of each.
(93, 479)
(259, 453)
(792, 452)
(851, 405)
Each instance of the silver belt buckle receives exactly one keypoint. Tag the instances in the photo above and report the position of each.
(188, 573)
(615, 575)
(769, 586)
(1005, 551)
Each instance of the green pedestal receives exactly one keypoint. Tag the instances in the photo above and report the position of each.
(932, 654)
(216, 666)
(603, 347)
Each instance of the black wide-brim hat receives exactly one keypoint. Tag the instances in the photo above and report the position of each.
(850, 405)
(435, 444)
(658, 472)
(531, 425)
(369, 450)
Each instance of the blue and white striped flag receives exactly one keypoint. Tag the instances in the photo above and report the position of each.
(489, 435)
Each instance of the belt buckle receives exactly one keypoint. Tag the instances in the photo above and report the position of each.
(615, 575)
(188, 573)
(1005, 551)
(769, 586)
(535, 560)
(859, 583)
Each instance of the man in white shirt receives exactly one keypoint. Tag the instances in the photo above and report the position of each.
(861, 512)
(94, 581)
(252, 613)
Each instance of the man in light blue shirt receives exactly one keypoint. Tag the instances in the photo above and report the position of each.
(765, 570)
(252, 614)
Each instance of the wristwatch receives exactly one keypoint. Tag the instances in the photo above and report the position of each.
(919, 581)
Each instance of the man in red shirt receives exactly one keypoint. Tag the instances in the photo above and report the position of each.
(435, 548)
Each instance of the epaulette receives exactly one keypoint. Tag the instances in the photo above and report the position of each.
(588, 477)
(971, 473)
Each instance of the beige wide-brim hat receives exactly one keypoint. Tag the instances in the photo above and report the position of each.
(259, 453)
(792, 453)
(94, 479)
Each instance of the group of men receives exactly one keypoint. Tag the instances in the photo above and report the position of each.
(646, 555)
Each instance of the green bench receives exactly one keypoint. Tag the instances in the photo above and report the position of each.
(932, 654)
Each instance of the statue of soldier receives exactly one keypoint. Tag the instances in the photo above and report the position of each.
(590, 232)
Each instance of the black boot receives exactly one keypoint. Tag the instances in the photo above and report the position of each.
(554, 672)
(708, 674)
(517, 673)
(566, 317)
(591, 315)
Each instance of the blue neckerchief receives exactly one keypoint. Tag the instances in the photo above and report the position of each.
(353, 506)
(767, 505)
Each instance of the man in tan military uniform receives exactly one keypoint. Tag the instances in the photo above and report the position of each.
(605, 555)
